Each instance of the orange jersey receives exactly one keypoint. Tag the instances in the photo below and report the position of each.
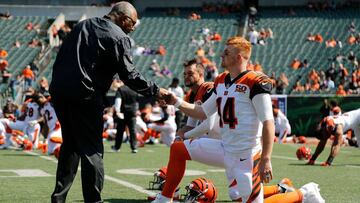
(28, 73)
(202, 94)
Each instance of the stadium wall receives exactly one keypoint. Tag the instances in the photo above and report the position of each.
(304, 114)
(289, 2)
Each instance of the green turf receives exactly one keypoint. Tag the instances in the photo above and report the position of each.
(338, 183)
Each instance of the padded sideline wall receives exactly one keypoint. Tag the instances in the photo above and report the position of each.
(304, 114)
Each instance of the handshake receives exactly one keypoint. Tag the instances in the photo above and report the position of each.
(164, 96)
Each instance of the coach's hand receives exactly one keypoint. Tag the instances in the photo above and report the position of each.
(170, 99)
(163, 94)
(181, 134)
(265, 170)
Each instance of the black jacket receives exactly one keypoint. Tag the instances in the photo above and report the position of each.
(129, 100)
(88, 59)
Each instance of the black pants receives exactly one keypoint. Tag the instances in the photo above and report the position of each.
(179, 116)
(81, 125)
(129, 121)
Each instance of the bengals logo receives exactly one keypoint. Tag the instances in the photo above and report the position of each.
(240, 88)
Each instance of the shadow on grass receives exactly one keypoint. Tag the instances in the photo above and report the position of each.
(140, 201)
(22, 154)
(333, 165)
(302, 164)
(126, 200)
(110, 200)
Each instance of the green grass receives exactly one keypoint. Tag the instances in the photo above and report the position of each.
(338, 183)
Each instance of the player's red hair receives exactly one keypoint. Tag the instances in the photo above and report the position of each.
(241, 44)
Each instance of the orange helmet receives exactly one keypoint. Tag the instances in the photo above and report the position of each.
(303, 153)
(28, 145)
(201, 190)
(159, 179)
(302, 139)
(328, 123)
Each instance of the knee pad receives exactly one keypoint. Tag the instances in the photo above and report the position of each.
(234, 193)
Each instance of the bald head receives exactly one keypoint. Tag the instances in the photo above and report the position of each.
(125, 8)
(124, 15)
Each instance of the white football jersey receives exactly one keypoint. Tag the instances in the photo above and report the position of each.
(282, 124)
(32, 111)
(349, 120)
(49, 114)
(170, 110)
(108, 122)
(240, 126)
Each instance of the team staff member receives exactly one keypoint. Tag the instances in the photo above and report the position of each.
(179, 92)
(242, 101)
(90, 56)
(125, 106)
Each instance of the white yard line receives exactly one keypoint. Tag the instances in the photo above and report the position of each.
(130, 185)
(110, 178)
(284, 157)
(352, 166)
(41, 156)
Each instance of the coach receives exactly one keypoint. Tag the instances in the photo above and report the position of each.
(89, 57)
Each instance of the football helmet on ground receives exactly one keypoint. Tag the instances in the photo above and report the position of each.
(200, 190)
(303, 153)
(159, 179)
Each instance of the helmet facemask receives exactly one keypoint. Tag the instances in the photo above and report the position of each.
(158, 182)
(192, 194)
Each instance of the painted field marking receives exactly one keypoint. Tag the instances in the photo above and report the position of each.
(107, 177)
(284, 157)
(130, 185)
(25, 173)
(220, 170)
(144, 172)
(352, 166)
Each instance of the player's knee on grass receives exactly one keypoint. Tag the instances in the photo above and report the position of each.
(234, 193)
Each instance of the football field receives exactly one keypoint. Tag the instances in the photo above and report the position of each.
(30, 176)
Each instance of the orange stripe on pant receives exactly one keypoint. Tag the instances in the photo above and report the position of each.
(256, 185)
(256, 188)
